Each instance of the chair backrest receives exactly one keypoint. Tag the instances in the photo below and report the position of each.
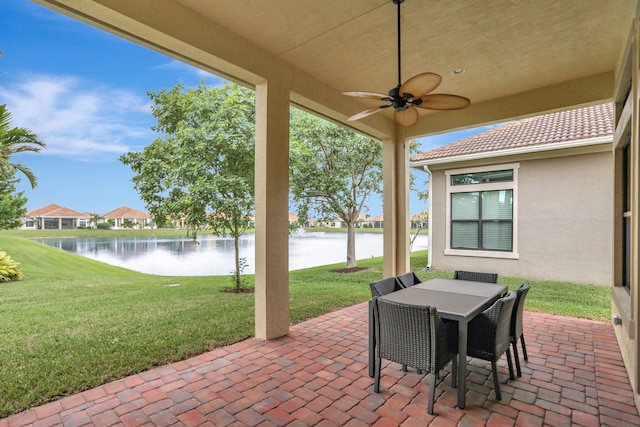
(384, 287)
(408, 279)
(475, 276)
(517, 315)
(503, 324)
(489, 332)
(412, 335)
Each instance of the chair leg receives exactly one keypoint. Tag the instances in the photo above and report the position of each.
(496, 383)
(524, 347)
(432, 393)
(515, 356)
(510, 364)
(404, 368)
(376, 381)
(372, 340)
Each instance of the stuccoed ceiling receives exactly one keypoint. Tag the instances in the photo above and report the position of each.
(521, 57)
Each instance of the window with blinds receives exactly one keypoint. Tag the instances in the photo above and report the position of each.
(481, 209)
(482, 220)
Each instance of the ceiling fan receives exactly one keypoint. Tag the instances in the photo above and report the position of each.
(404, 98)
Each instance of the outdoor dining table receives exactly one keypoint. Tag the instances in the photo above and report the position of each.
(458, 300)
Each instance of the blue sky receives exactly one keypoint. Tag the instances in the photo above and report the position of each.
(84, 93)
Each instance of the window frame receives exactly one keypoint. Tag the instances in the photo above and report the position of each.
(481, 187)
(627, 201)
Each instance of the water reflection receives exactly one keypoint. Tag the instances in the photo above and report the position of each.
(212, 255)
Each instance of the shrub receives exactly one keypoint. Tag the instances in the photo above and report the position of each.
(9, 269)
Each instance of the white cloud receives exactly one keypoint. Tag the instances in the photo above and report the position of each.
(79, 118)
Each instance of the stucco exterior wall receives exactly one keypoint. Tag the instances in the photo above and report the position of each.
(564, 222)
(626, 205)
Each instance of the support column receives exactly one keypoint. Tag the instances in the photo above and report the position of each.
(635, 203)
(395, 170)
(272, 211)
(402, 206)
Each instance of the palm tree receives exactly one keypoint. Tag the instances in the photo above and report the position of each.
(16, 140)
(93, 220)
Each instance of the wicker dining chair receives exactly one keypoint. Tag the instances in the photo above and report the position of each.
(414, 335)
(475, 276)
(516, 325)
(408, 279)
(384, 286)
(489, 333)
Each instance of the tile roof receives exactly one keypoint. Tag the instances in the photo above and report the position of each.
(56, 211)
(573, 125)
(126, 212)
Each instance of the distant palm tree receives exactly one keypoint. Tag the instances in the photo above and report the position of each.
(93, 220)
(15, 140)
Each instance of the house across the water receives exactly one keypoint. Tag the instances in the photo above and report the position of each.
(56, 217)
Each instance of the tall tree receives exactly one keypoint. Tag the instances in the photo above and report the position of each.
(333, 172)
(14, 140)
(201, 169)
(12, 203)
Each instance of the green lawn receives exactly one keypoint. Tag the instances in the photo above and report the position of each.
(74, 323)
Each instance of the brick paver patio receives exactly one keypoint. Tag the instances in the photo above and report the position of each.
(318, 375)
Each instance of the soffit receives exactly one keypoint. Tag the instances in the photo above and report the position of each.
(506, 47)
(521, 57)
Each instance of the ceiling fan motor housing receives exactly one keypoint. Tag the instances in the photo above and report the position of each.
(402, 102)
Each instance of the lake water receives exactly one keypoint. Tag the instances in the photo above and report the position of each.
(212, 255)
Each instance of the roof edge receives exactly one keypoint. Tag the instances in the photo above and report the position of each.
(515, 151)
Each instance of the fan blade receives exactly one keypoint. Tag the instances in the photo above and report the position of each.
(421, 84)
(367, 112)
(408, 117)
(443, 101)
(368, 95)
